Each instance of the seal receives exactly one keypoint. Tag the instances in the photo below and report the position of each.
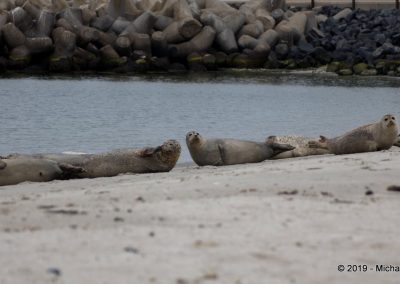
(302, 147)
(21, 169)
(367, 138)
(221, 152)
(146, 160)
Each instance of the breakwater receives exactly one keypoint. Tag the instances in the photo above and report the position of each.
(177, 35)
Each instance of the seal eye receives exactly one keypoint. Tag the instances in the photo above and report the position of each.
(393, 118)
(386, 119)
(190, 134)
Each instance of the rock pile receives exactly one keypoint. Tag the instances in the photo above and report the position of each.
(130, 35)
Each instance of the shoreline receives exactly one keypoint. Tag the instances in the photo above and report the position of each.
(279, 220)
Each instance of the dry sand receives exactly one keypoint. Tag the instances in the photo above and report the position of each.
(230, 224)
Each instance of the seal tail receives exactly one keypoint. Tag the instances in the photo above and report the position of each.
(70, 171)
(278, 147)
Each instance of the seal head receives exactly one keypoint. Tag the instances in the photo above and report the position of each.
(193, 138)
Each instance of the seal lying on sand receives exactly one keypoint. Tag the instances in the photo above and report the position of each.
(302, 148)
(368, 138)
(147, 160)
(14, 171)
(221, 152)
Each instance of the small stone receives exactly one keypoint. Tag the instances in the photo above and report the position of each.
(369, 192)
(394, 188)
(118, 219)
(211, 276)
(131, 250)
(140, 199)
(287, 192)
(54, 271)
(152, 234)
(345, 72)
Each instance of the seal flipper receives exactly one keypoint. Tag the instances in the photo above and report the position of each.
(222, 155)
(147, 152)
(70, 171)
(278, 148)
(3, 165)
(321, 144)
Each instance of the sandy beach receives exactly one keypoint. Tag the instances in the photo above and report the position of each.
(285, 221)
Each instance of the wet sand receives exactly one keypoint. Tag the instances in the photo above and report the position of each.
(285, 221)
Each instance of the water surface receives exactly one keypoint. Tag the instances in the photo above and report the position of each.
(99, 113)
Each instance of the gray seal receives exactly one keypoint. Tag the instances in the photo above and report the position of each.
(221, 152)
(21, 169)
(302, 147)
(146, 160)
(367, 138)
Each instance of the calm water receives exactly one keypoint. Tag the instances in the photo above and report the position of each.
(93, 114)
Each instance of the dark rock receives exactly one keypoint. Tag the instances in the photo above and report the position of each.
(176, 67)
(305, 47)
(103, 23)
(382, 67)
(388, 48)
(281, 50)
(159, 63)
(322, 55)
(272, 61)
(3, 64)
(209, 61)
(59, 64)
(220, 59)
(380, 38)
(241, 61)
(277, 14)
(378, 53)
(316, 33)
(396, 39)
(343, 45)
